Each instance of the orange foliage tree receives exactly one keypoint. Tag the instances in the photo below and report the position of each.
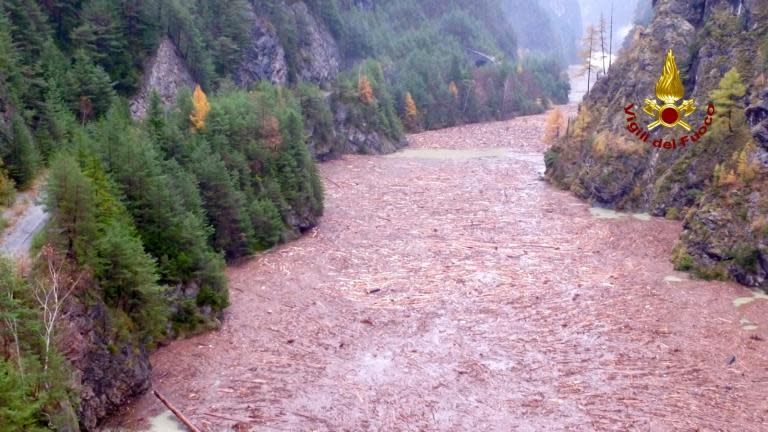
(454, 90)
(365, 89)
(411, 112)
(554, 126)
(200, 108)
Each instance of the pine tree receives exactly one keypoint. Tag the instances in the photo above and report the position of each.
(155, 119)
(20, 410)
(304, 190)
(169, 231)
(90, 88)
(726, 100)
(20, 154)
(70, 202)
(224, 204)
(128, 277)
(11, 81)
(56, 124)
(200, 108)
(100, 35)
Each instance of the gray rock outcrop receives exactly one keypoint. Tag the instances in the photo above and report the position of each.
(110, 367)
(359, 138)
(725, 232)
(264, 58)
(166, 73)
(319, 58)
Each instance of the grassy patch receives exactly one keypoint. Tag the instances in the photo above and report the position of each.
(682, 260)
(672, 214)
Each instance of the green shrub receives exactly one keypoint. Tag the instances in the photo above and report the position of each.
(681, 259)
(672, 213)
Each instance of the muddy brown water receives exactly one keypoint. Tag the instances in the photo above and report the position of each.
(456, 291)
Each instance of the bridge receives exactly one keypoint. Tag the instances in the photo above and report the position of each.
(481, 58)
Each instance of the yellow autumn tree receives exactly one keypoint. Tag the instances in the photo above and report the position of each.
(411, 112)
(730, 178)
(719, 175)
(553, 127)
(200, 108)
(745, 168)
(365, 89)
(583, 119)
(454, 90)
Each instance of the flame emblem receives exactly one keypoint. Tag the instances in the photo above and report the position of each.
(669, 90)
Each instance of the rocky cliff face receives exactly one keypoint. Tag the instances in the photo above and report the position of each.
(568, 25)
(264, 58)
(111, 369)
(166, 73)
(601, 161)
(357, 138)
(319, 58)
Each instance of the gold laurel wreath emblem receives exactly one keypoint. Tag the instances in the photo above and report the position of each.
(669, 90)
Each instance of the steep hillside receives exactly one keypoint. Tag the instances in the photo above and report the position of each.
(552, 27)
(715, 185)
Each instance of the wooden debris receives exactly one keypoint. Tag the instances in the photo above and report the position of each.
(182, 418)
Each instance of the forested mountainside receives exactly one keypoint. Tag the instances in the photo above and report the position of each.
(715, 185)
(549, 26)
(152, 187)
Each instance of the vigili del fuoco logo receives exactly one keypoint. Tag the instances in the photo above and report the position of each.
(667, 112)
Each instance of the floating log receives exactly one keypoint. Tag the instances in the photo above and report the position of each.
(182, 418)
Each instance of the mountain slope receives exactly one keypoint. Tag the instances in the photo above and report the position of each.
(716, 184)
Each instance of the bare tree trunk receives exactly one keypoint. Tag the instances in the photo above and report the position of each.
(13, 325)
(589, 62)
(176, 412)
(602, 40)
(51, 296)
(610, 40)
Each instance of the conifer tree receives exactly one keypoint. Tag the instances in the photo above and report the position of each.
(224, 204)
(20, 153)
(155, 119)
(725, 98)
(11, 80)
(100, 34)
(128, 276)
(20, 408)
(70, 202)
(90, 88)
(171, 233)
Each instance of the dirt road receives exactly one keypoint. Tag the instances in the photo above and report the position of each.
(25, 218)
(453, 290)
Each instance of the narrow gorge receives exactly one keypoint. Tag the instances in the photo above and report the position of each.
(364, 215)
